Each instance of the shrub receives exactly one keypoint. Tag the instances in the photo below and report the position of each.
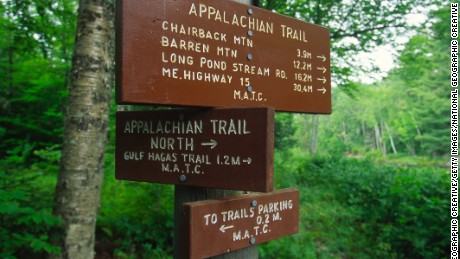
(136, 218)
(359, 208)
(26, 193)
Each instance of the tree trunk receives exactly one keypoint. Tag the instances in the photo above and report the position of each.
(411, 149)
(10, 56)
(382, 139)
(311, 134)
(307, 132)
(85, 131)
(419, 132)
(183, 194)
(313, 147)
(377, 137)
(392, 143)
(344, 132)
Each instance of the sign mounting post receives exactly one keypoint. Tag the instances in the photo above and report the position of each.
(215, 54)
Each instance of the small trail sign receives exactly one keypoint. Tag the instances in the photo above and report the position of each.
(220, 54)
(214, 227)
(217, 148)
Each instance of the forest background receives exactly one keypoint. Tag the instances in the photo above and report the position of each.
(372, 176)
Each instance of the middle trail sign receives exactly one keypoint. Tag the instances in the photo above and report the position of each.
(217, 148)
(215, 53)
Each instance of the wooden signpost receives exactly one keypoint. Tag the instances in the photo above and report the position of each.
(218, 148)
(218, 226)
(220, 54)
(215, 53)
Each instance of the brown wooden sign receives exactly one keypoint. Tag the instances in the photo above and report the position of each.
(218, 226)
(217, 53)
(219, 148)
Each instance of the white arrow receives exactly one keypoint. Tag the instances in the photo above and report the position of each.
(322, 57)
(249, 160)
(322, 69)
(212, 143)
(322, 79)
(223, 228)
(322, 89)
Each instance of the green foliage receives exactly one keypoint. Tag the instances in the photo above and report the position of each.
(284, 130)
(355, 26)
(405, 113)
(425, 78)
(357, 208)
(25, 205)
(137, 219)
(36, 39)
(350, 208)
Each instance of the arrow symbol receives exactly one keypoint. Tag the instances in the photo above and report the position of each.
(322, 79)
(322, 89)
(322, 57)
(322, 69)
(248, 161)
(223, 228)
(212, 143)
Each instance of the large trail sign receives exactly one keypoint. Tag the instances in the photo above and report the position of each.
(219, 148)
(216, 53)
(217, 226)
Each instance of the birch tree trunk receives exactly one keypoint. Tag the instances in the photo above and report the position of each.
(377, 137)
(382, 139)
(392, 143)
(313, 147)
(85, 131)
(311, 134)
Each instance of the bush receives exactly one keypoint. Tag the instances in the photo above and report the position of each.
(136, 219)
(26, 193)
(359, 208)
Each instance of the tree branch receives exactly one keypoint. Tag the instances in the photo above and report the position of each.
(337, 35)
(318, 12)
(348, 15)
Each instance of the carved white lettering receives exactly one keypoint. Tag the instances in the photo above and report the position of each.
(230, 127)
(249, 69)
(133, 155)
(248, 96)
(239, 236)
(227, 52)
(273, 207)
(213, 64)
(161, 127)
(237, 214)
(213, 219)
(188, 45)
(196, 159)
(162, 157)
(280, 74)
(290, 33)
(177, 143)
(194, 31)
(174, 58)
(207, 77)
(243, 41)
(169, 72)
(213, 14)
